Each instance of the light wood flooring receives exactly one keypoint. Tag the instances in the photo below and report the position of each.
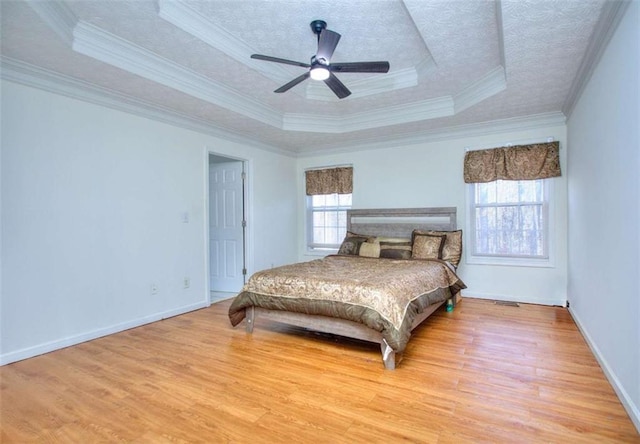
(484, 373)
(217, 296)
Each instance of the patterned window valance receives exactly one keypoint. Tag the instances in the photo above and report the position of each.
(329, 181)
(522, 162)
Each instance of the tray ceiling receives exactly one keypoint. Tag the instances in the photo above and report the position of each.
(455, 64)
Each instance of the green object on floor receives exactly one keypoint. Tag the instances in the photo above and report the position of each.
(449, 305)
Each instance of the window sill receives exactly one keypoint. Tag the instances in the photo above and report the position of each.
(510, 261)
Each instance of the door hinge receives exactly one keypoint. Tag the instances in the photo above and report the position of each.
(244, 271)
(244, 176)
(244, 223)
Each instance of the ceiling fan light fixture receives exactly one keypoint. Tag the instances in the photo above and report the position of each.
(320, 67)
(319, 73)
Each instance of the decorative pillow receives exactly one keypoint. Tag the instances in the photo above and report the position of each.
(427, 246)
(452, 249)
(369, 249)
(351, 244)
(396, 249)
(391, 239)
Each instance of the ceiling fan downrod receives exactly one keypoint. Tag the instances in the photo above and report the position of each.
(317, 26)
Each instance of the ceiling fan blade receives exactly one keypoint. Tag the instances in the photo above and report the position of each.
(277, 60)
(292, 83)
(360, 67)
(327, 44)
(337, 86)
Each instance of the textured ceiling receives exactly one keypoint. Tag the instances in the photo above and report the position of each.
(454, 63)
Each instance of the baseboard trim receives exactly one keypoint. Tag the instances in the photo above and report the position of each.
(514, 298)
(30, 352)
(625, 399)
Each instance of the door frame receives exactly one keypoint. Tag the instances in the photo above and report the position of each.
(248, 248)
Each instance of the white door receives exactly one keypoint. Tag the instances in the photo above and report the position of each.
(226, 231)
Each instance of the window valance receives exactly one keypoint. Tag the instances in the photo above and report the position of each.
(521, 162)
(329, 181)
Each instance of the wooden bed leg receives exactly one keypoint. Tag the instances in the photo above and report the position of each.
(250, 315)
(388, 355)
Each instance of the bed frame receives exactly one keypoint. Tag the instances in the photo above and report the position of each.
(398, 222)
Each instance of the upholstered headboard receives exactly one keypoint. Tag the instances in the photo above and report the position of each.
(400, 222)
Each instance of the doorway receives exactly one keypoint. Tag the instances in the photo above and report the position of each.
(227, 226)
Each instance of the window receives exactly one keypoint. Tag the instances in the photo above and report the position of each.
(327, 220)
(509, 221)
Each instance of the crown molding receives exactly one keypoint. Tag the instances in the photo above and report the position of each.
(428, 63)
(492, 83)
(426, 66)
(500, 29)
(192, 22)
(58, 16)
(106, 47)
(612, 13)
(480, 129)
(412, 112)
(101, 45)
(312, 124)
(25, 74)
(393, 115)
(186, 18)
(32, 76)
(369, 86)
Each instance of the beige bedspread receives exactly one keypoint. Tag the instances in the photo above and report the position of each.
(384, 294)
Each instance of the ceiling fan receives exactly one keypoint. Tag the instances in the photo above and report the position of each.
(321, 67)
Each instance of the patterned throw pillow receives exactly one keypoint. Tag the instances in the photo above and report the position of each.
(427, 246)
(369, 249)
(395, 249)
(452, 249)
(351, 244)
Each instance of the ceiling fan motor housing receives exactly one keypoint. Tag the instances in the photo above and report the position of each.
(317, 26)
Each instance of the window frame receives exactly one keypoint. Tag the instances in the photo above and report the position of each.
(322, 249)
(513, 260)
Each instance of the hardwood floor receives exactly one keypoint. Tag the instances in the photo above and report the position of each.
(484, 373)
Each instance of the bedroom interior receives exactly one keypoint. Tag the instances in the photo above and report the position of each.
(352, 294)
(111, 114)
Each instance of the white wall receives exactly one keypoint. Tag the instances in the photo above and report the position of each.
(430, 175)
(92, 205)
(604, 206)
(271, 211)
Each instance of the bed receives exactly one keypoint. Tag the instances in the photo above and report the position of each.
(394, 269)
